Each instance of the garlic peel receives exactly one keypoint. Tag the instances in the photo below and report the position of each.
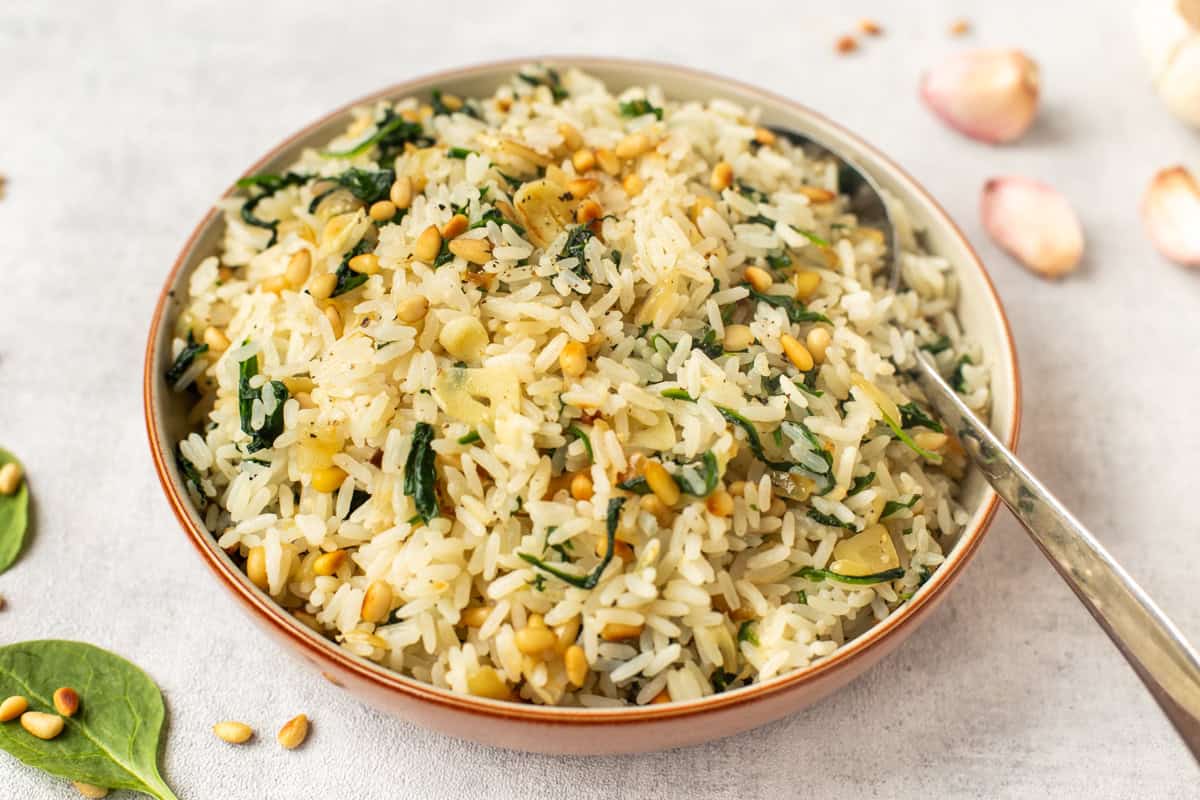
(1171, 213)
(989, 95)
(1034, 223)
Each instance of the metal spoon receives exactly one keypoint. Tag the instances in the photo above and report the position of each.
(1152, 645)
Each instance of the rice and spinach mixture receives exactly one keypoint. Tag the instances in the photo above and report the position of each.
(570, 397)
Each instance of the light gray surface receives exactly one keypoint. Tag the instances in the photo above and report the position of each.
(121, 122)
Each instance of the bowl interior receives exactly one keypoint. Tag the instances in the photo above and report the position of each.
(979, 309)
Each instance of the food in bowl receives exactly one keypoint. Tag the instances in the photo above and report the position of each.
(570, 397)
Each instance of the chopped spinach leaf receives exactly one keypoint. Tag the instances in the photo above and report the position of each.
(347, 279)
(751, 193)
(957, 379)
(420, 473)
(638, 485)
(721, 679)
(640, 107)
(577, 240)
(185, 358)
(709, 345)
(578, 433)
(469, 438)
(902, 435)
(551, 81)
(439, 106)
(357, 499)
(677, 394)
(391, 133)
(590, 580)
(746, 633)
(812, 574)
(911, 415)
(830, 520)
(711, 474)
(263, 437)
(459, 152)
(826, 478)
(268, 185)
(892, 506)
(860, 483)
(779, 260)
(191, 476)
(938, 345)
(795, 310)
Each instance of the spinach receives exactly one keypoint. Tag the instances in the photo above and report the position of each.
(469, 438)
(357, 499)
(577, 240)
(113, 740)
(347, 279)
(638, 485)
(391, 133)
(459, 153)
(902, 435)
(938, 345)
(709, 345)
(191, 476)
(826, 478)
(749, 192)
(957, 379)
(860, 483)
(268, 185)
(711, 475)
(892, 506)
(420, 473)
(185, 358)
(746, 633)
(911, 415)
(538, 583)
(721, 680)
(779, 260)
(759, 219)
(830, 520)
(14, 516)
(615, 255)
(551, 81)
(367, 185)
(494, 215)
(809, 573)
(639, 108)
(590, 580)
(677, 394)
(260, 438)
(796, 311)
(802, 597)
(578, 433)
(440, 107)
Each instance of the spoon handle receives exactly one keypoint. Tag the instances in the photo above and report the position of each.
(1151, 644)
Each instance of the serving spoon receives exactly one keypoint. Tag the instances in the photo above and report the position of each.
(1152, 645)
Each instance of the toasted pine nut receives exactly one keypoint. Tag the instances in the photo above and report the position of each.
(816, 194)
(566, 633)
(846, 44)
(328, 563)
(256, 567)
(758, 278)
(661, 483)
(486, 682)
(657, 509)
(412, 309)
(617, 632)
(382, 210)
(452, 101)
(377, 601)
(293, 733)
(721, 177)
(797, 353)
(960, 27)
(608, 161)
(10, 478)
(532, 641)
(633, 184)
(817, 341)
(476, 251)
(581, 486)
(13, 707)
(576, 663)
(870, 27)
(632, 146)
(365, 263)
(581, 187)
(719, 503)
(66, 701)
(273, 284)
(764, 136)
(457, 225)
(698, 207)
(43, 726)
(216, 339)
(233, 732)
(662, 697)
(930, 440)
(583, 160)
(322, 286)
(737, 338)
(335, 320)
(573, 359)
(428, 245)
(475, 616)
(90, 791)
(806, 282)
(588, 211)
(328, 479)
(572, 138)
(401, 192)
(299, 265)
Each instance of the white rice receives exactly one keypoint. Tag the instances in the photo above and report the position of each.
(713, 592)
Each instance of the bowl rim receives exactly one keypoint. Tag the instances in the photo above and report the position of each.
(380, 676)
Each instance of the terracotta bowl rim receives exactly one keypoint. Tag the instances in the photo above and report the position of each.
(315, 646)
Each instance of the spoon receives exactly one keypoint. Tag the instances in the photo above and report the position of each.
(1152, 645)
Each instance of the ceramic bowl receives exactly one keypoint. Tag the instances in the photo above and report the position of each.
(578, 730)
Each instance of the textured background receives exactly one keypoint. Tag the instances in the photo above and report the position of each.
(121, 121)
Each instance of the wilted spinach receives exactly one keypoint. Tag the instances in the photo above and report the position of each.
(809, 573)
(795, 310)
(590, 580)
(264, 437)
(911, 415)
(892, 506)
(347, 279)
(639, 108)
(420, 473)
(267, 184)
(185, 359)
(391, 134)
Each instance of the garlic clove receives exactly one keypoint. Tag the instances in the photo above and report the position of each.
(1169, 32)
(1034, 223)
(1171, 214)
(990, 95)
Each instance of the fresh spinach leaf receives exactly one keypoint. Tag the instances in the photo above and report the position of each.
(892, 506)
(14, 516)
(113, 740)
(779, 260)
(809, 573)
(420, 473)
(639, 108)
(590, 580)
(911, 416)
(185, 359)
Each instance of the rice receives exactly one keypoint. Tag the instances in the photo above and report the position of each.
(461, 467)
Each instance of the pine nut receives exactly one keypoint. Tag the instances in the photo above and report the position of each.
(256, 567)
(216, 339)
(233, 732)
(401, 192)
(806, 282)
(619, 632)
(89, 791)
(66, 701)
(364, 264)
(566, 634)
(657, 509)
(816, 194)
(581, 486)
(758, 278)
(328, 563)
(322, 286)
(846, 44)
(633, 184)
(43, 726)
(661, 483)
(797, 353)
(764, 136)
(475, 251)
(583, 160)
(293, 733)
(335, 320)
(457, 225)
(722, 176)
(428, 245)
(13, 707)
(573, 359)
(930, 440)
(870, 27)
(581, 187)
(10, 478)
(576, 664)
(452, 101)
(719, 503)
(632, 146)
(702, 202)
(273, 284)
(532, 641)
(412, 309)
(608, 161)
(588, 211)
(737, 338)
(377, 601)
(817, 341)
(382, 210)
(486, 682)
(572, 138)
(475, 616)
(299, 265)
(662, 697)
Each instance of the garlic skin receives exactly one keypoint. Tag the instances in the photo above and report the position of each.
(1034, 223)
(1171, 213)
(989, 95)
(1169, 33)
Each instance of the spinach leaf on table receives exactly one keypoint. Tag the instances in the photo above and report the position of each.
(14, 516)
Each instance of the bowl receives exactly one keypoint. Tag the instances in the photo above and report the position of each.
(612, 730)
